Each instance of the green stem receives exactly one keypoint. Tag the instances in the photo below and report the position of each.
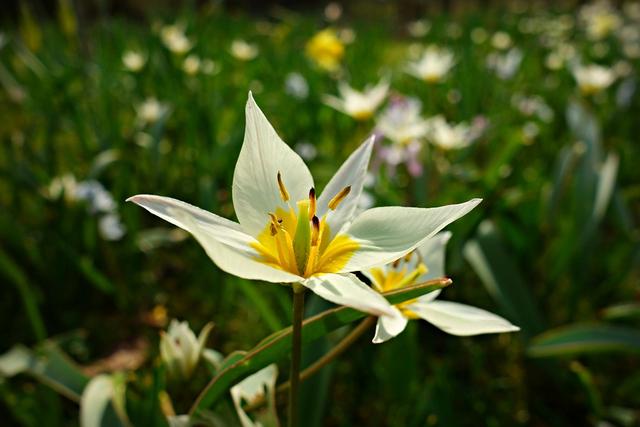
(296, 350)
(327, 358)
(334, 352)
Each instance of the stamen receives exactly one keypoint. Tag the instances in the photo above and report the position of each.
(315, 231)
(283, 190)
(333, 203)
(312, 202)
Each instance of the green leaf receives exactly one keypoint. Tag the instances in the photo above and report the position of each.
(622, 311)
(585, 338)
(238, 365)
(49, 365)
(500, 275)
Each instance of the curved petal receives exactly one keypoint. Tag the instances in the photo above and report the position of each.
(223, 240)
(388, 233)
(389, 327)
(460, 319)
(351, 173)
(255, 185)
(347, 289)
(433, 252)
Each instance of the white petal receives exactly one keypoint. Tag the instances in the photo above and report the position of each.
(255, 185)
(388, 233)
(222, 239)
(347, 289)
(389, 327)
(433, 252)
(351, 173)
(461, 319)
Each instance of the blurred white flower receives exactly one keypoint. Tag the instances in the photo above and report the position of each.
(347, 35)
(448, 136)
(191, 64)
(209, 66)
(98, 198)
(133, 60)
(260, 386)
(418, 28)
(151, 110)
(62, 185)
(175, 40)
(243, 51)
(359, 105)
(479, 35)
(306, 150)
(296, 85)
(401, 122)
(180, 350)
(110, 226)
(533, 106)
(333, 11)
(433, 66)
(501, 40)
(530, 131)
(505, 65)
(593, 78)
(394, 155)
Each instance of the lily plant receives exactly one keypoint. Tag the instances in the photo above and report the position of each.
(286, 234)
(433, 66)
(427, 263)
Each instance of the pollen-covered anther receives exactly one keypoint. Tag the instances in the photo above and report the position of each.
(338, 198)
(284, 194)
(275, 224)
(315, 230)
(312, 202)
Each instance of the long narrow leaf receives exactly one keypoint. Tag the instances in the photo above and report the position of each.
(588, 338)
(502, 279)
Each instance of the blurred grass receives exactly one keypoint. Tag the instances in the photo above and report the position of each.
(69, 106)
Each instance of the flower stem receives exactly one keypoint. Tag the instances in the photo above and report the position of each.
(334, 352)
(296, 350)
(321, 362)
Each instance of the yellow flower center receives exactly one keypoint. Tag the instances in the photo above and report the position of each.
(299, 242)
(402, 273)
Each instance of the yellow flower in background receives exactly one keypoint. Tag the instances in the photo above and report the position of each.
(326, 49)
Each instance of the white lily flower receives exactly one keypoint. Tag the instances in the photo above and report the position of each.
(427, 263)
(433, 66)
(593, 78)
(286, 235)
(401, 122)
(448, 136)
(181, 350)
(359, 105)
